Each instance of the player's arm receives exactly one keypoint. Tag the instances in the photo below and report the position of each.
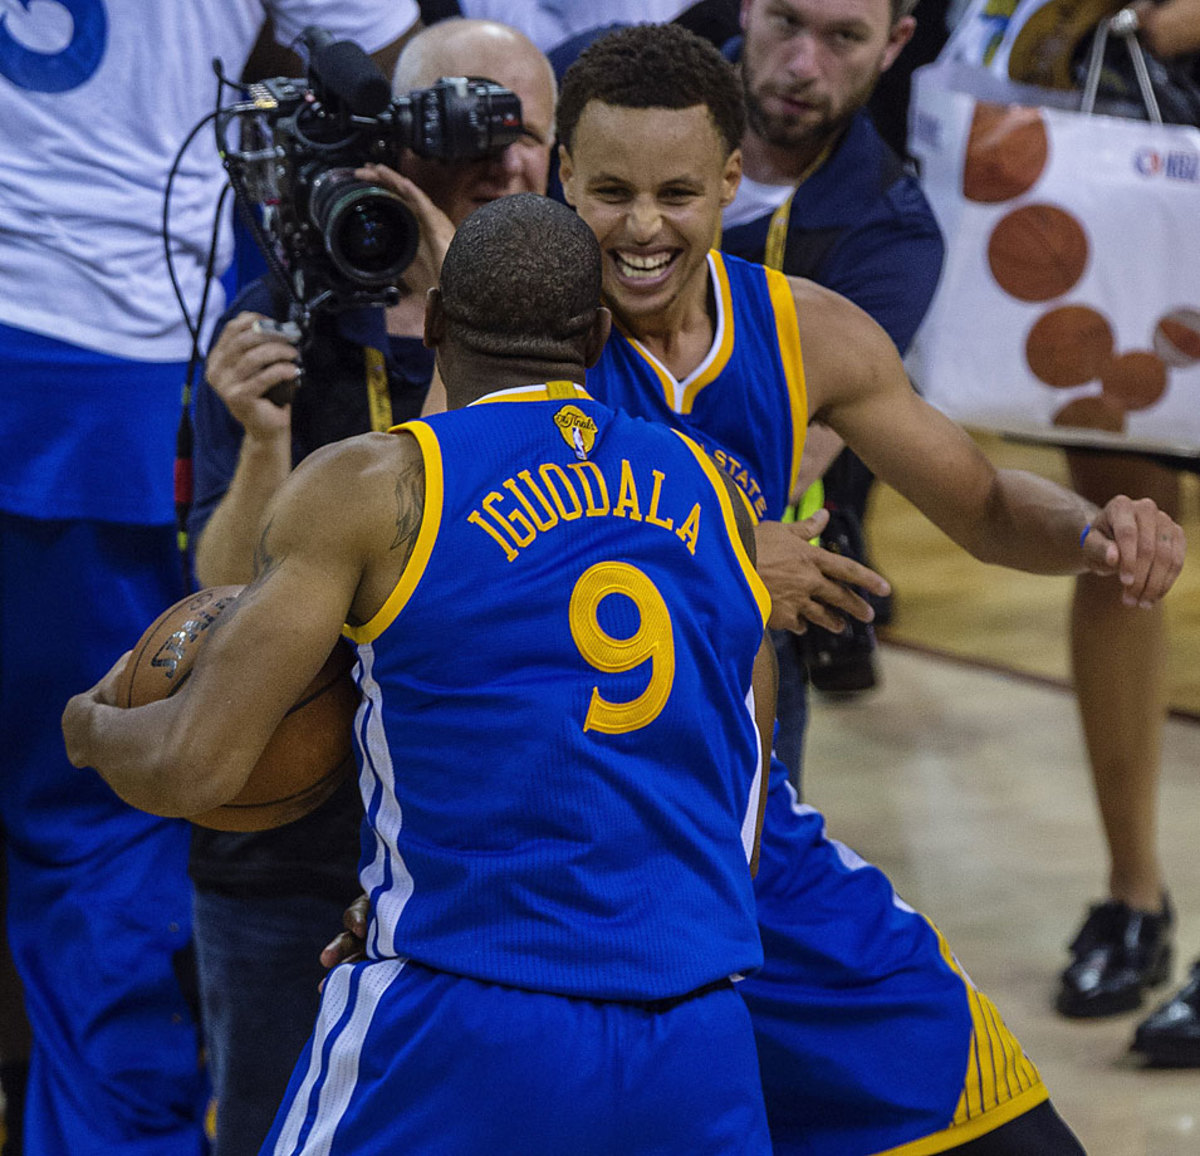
(339, 530)
(857, 385)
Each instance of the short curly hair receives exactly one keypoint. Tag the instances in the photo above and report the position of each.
(653, 66)
(521, 279)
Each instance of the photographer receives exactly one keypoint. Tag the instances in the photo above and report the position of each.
(265, 901)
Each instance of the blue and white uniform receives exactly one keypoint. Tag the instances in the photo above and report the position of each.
(871, 1038)
(555, 920)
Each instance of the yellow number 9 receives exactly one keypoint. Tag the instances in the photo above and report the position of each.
(653, 640)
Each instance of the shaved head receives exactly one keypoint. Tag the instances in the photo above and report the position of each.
(471, 48)
(482, 48)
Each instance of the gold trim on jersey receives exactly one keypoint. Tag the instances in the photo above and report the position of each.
(757, 589)
(547, 391)
(1001, 1081)
(431, 520)
(715, 359)
(787, 327)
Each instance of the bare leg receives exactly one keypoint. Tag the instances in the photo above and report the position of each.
(1118, 656)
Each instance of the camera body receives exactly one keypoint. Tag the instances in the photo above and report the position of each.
(339, 242)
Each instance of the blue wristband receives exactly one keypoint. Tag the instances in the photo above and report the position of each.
(1083, 537)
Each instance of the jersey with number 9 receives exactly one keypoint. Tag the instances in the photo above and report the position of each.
(558, 753)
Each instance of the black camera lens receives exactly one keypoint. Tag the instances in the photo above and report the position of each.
(371, 236)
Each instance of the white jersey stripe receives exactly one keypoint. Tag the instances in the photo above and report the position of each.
(750, 819)
(333, 1004)
(386, 878)
(341, 1069)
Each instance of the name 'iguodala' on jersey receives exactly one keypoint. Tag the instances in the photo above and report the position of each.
(557, 714)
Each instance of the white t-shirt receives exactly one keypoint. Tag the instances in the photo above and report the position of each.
(549, 22)
(754, 200)
(83, 169)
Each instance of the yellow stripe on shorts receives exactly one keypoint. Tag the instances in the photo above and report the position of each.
(1001, 1081)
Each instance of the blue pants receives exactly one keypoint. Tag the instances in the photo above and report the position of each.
(869, 1034)
(259, 970)
(405, 1059)
(99, 906)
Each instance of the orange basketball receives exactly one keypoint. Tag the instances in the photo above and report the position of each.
(1006, 152)
(1096, 412)
(1135, 380)
(1177, 337)
(1069, 346)
(310, 753)
(1037, 252)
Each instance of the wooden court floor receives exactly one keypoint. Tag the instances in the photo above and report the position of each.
(970, 788)
(947, 601)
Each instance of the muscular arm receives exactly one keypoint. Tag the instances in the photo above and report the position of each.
(337, 538)
(858, 387)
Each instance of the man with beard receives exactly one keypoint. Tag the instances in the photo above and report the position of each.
(823, 197)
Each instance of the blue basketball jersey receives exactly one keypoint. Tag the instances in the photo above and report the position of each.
(558, 754)
(733, 402)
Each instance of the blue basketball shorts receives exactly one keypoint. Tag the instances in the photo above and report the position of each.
(407, 1059)
(871, 1038)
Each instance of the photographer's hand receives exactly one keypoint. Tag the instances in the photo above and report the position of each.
(249, 358)
(437, 230)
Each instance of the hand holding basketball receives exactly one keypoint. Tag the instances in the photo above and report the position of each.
(308, 756)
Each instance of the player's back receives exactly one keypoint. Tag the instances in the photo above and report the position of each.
(559, 759)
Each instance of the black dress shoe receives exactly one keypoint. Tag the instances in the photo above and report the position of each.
(1118, 953)
(1171, 1034)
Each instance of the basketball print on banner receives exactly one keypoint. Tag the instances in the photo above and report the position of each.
(1069, 306)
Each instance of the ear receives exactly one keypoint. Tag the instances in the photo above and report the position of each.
(901, 33)
(435, 319)
(597, 337)
(566, 175)
(731, 177)
(744, 14)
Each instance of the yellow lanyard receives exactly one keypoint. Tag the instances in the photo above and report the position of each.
(379, 401)
(780, 219)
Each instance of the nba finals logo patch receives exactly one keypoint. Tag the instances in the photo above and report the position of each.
(577, 429)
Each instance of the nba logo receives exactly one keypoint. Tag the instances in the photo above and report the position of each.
(1147, 162)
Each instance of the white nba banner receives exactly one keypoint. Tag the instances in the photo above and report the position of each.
(1069, 305)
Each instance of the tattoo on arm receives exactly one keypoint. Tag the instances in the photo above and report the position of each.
(410, 505)
(265, 563)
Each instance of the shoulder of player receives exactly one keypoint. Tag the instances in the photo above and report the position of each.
(841, 342)
(821, 311)
(356, 480)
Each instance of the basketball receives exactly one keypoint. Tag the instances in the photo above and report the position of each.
(1096, 412)
(309, 755)
(1069, 346)
(1037, 252)
(1177, 337)
(1006, 152)
(1135, 380)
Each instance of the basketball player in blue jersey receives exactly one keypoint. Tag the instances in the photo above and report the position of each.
(555, 926)
(871, 1038)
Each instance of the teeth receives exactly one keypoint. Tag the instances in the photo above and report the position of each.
(636, 265)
